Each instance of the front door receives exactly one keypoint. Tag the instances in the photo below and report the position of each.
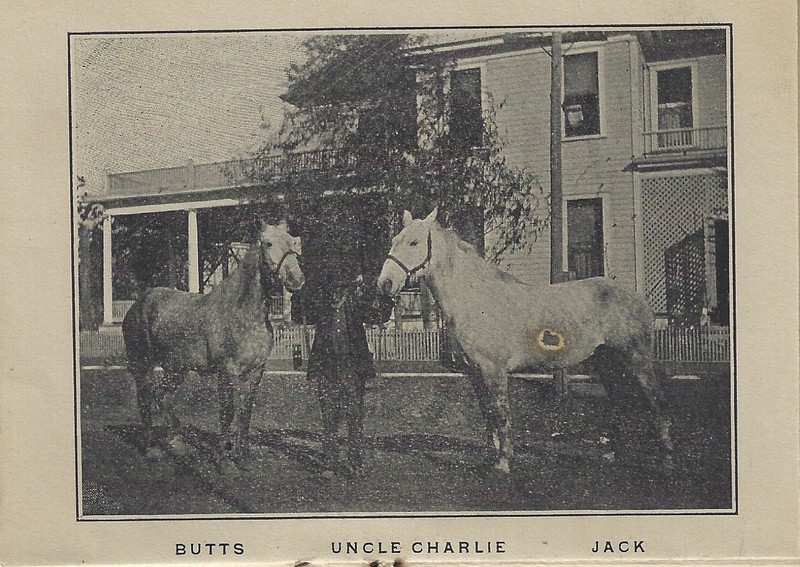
(585, 238)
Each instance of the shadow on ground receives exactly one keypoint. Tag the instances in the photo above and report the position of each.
(424, 439)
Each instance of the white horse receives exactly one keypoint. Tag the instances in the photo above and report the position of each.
(502, 325)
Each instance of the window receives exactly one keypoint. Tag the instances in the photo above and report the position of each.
(581, 95)
(466, 110)
(585, 238)
(674, 91)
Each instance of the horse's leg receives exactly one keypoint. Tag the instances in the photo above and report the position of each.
(144, 401)
(244, 406)
(491, 388)
(173, 378)
(226, 408)
(643, 367)
(630, 382)
(611, 372)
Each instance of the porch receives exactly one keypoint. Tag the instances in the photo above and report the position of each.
(682, 148)
(188, 197)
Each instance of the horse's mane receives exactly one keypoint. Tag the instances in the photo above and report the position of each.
(452, 239)
(242, 281)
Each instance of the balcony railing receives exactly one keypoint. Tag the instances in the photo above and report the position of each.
(222, 174)
(686, 140)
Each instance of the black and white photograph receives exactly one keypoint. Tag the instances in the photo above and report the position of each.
(434, 271)
(396, 284)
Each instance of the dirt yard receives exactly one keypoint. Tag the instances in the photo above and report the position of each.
(424, 450)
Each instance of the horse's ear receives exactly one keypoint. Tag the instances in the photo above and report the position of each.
(283, 223)
(432, 217)
(407, 218)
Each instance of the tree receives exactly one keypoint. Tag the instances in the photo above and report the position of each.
(391, 108)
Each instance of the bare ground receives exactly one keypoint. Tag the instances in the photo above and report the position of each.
(424, 440)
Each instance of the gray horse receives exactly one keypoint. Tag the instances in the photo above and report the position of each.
(225, 333)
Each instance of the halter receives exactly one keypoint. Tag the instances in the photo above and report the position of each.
(285, 255)
(278, 267)
(411, 271)
(267, 280)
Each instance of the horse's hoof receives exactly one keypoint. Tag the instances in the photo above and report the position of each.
(178, 446)
(153, 454)
(609, 457)
(352, 472)
(243, 462)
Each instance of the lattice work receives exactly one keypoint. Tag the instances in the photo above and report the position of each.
(672, 209)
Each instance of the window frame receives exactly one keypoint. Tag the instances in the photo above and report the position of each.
(654, 69)
(601, 91)
(484, 93)
(603, 225)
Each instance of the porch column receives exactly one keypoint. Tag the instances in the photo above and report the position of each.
(194, 253)
(108, 295)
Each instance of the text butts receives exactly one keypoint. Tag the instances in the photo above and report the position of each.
(215, 549)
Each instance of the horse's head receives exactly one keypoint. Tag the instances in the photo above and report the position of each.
(280, 252)
(410, 254)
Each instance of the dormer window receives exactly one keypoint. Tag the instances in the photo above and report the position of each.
(581, 95)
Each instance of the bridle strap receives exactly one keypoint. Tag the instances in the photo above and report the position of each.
(285, 255)
(411, 271)
(278, 267)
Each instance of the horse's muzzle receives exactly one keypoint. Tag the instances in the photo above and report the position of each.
(386, 282)
(295, 284)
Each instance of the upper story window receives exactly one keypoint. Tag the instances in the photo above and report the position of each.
(581, 95)
(674, 98)
(466, 109)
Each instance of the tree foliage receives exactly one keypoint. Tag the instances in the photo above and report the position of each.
(393, 112)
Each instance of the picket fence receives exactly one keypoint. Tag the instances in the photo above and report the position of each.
(679, 345)
(700, 344)
(385, 344)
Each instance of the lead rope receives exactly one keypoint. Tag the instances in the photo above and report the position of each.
(306, 339)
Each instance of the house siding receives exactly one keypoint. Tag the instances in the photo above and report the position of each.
(520, 88)
(712, 91)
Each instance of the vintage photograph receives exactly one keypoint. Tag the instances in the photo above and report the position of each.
(403, 272)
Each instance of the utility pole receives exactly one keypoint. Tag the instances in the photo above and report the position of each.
(556, 193)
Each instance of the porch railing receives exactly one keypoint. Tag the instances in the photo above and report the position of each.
(225, 173)
(119, 308)
(686, 139)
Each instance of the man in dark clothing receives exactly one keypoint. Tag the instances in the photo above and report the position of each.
(340, 360)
